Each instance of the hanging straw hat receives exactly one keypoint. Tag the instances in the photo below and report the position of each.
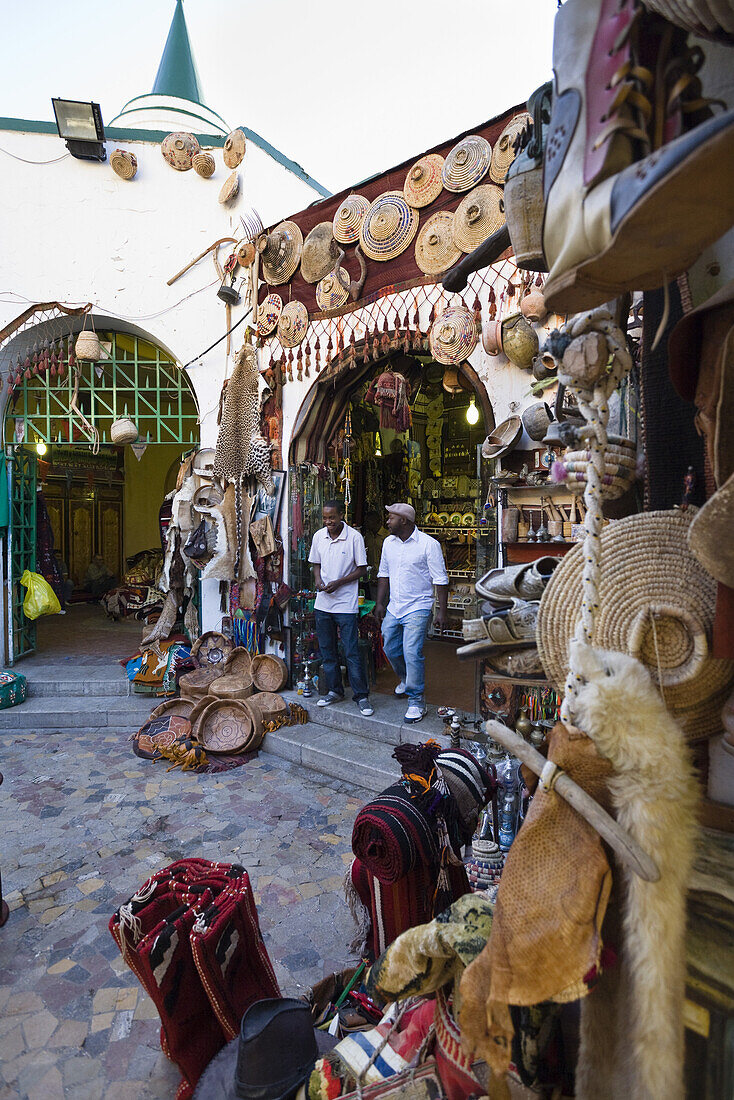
(319, 252)
(268, 314)
(348, 219)
(503, 153)
(230, 188)
(234, 148)
(280, 253)
(467, 163)
(503, 438)
(123, 164)
(435, 251)
(331, 292)
(453, 336)
(657, 603)
(292, 324)
(204, 165)
(479, 214)
(423, 182)
(389, 227)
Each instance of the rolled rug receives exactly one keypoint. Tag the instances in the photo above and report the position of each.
(391, 836)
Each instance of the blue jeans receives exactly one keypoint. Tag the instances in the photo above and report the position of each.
(327, 624)
(403, 642)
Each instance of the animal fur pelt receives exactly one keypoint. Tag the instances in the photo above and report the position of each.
(241, 450)
(632, 1043)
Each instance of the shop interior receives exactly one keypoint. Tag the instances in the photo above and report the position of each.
(370, 449)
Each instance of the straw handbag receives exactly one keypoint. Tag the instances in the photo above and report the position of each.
(123, 431)
(87, 347)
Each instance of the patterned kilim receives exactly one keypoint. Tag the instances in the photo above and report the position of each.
(392, 836)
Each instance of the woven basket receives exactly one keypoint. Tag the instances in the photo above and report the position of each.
(194, 685)
(234, 686)
(239, 662)
(87, 348)
(268, 704)
(180, 708)
(647, 576)
(212, 648)
(258, 722)
(269, 673)
(225, 725)
(123, 431)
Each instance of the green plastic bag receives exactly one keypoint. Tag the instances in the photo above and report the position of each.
(40, 599)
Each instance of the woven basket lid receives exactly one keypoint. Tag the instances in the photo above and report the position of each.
(389, 226)
(467, 163)
(479, 214)
(331, 292)
(212, 648)
(281, 253)
(179, 149)
(503, 152)
(423, 182)
(124, 164)
(231, 686)
(204, 165)
(292, 324)
(435, 251)
(224, 725)
(647, 576)
(453, 335)
(234, 148)
(503, 438)
(319, 253)
(268, 314)
(348, 219)
(229, 188)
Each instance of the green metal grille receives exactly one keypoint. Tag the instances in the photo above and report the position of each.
(137, 380)
(22, 466)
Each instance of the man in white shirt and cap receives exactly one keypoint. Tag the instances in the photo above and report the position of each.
(339, 561)
(411, 565)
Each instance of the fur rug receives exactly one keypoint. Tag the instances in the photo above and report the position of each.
(632, 1042)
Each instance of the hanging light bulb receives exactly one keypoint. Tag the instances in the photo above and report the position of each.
(41, 448)
(378, 445)
(472, 412)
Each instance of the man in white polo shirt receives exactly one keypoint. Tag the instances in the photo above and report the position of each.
(339, 561)
(411, 564)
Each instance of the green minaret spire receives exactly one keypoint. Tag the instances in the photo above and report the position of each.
(177, 75)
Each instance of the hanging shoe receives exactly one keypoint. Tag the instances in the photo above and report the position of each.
(619, 217)
(504, 586)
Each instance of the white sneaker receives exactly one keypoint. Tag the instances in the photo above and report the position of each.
(327, 700)
(414, 713)
(365, 708)
(400, 689)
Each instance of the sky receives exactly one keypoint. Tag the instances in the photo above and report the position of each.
(347, 89)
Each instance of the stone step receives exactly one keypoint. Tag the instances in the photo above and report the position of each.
(89, 712)
(46, 688)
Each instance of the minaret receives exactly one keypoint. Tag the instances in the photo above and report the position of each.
(176, 101)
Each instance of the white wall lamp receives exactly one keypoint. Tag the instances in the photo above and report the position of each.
(472, 412)
(80, 125)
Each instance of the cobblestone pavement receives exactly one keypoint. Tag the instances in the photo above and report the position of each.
(83, 822)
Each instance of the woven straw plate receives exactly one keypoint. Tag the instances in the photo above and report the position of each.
(503, 153)
(194, 685)
(124, 164)
(319, 253)
(212, 648)
(269, 673)
(348, 219)
(423, 182)
(232, 686)
(331, 293)
(268, 704)
(234, 148)
(648, 575)
(281, 253)
(268, 314)
(389, 227)
(230, 188)
(225, 725)
(453, 335)
(467, 163)
(292, 324)
(239, 662)
(478, 216)
(435, 251)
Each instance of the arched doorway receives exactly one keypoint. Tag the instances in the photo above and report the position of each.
(100, 501)
(343, 444)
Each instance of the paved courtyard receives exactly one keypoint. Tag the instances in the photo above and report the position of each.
(82, 823)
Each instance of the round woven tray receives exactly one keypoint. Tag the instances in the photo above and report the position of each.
(179, 707)
(269, 673)
(647, 575)
(479, 214)
(435, 251)
(348, 219)
(292, 324)
(239, 661)
(268, 704)
(423, 182)
(453, 336)
(467, 163)
(268, 314)
(233, 686)
(212, 648)
(389, 226)
(196, 684)
(503, 153)
(225, 725)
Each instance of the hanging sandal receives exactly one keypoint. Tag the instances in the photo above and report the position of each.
(508, 628)
(516, 582)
